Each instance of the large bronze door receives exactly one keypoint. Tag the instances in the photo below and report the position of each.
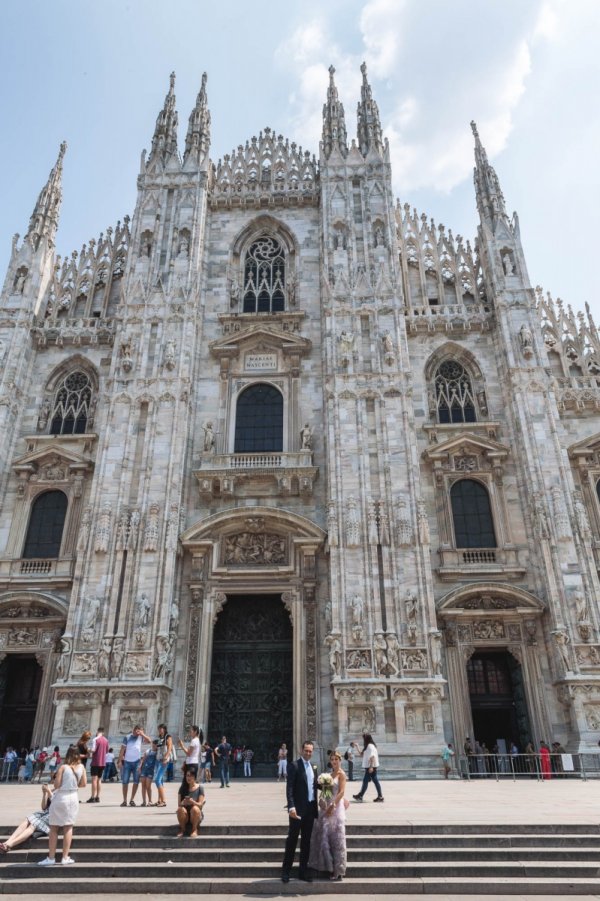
(251, 677)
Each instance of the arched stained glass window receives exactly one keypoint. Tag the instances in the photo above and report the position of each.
(46, 523)
(264, 277)
(454, 393)
(259, 420)
(71, 405)
(472, 515)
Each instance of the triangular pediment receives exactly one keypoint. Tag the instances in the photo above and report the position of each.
(53, 456)
(466, 443)
(587, 447)
(261, 337)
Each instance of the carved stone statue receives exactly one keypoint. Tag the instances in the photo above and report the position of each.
(526, 340)
(170, 349)
(562, 643)
(118, 653)
(328, 616)
(357, 614)
(352, 523)
(378, 237)
(184, 246)
(103, 529)
(346, 341)
(92, 609)
(380, 648)
(62, 668)
(581, 517)
(423, 524)
(174, 616)
(388, 343)
(306, 437)
(393, 653)
(104, 658)
(151, 532)
(143, 610)
(436, 652)
(411, 605)
(43, 415)
(335, 654)
(507, 264)
(164, 658)
(20, 281)
(209, 438)
(581, 607)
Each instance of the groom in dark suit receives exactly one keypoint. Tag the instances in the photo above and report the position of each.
(303, 811)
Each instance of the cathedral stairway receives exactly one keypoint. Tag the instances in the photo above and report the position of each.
(382, 859)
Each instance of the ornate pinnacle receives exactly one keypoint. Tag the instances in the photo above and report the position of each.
(44, 219)
(164, 142)
(334, 122)
(490, 200)
(369, 125)
(198, 134)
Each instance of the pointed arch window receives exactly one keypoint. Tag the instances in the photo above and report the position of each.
(454, 393)
(264, 277)
(46, 524)
(259, 420)
(472, 515)
(72, 401)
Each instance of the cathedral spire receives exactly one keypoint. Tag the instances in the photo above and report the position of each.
(44, 219)
(490, 200)
(164, 142)
(334, 123)
(198, 134)
(369, 124)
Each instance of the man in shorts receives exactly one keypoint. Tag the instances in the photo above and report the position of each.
(99, 751)
(130, 756)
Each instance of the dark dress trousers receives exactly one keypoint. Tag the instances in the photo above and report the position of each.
(297, 796)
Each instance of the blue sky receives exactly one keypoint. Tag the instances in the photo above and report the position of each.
(528, 71)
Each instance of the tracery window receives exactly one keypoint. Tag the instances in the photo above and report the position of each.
(259, 420)
(472, 515)
(264, 277)
(454, 393)
(46, 524)
(71, 405)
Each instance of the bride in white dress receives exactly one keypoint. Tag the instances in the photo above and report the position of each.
(328, 840)
(65, 806)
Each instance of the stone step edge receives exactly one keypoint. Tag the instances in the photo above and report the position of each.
(366, 829)
(354, 866)
(18, 853)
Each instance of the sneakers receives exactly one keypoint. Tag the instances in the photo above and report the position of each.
(227, 786)
(91, 801)
(357, 797)
(132, 804)
(46, 862)
(378, 798)
(124, 804)
(67, 861)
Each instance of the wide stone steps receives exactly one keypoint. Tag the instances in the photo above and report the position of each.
(529, 860)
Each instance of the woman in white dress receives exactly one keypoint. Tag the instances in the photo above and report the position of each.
(65, 806)
(328, 839)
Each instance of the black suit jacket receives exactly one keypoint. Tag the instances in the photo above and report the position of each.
(297, 788)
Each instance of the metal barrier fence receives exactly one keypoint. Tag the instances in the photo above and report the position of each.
(529, 766)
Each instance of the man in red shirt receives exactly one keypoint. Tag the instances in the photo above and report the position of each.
(99, 749)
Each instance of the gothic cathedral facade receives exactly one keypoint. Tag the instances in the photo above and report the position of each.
(282, 458)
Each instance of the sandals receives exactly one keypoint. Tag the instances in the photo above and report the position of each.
(160, 804)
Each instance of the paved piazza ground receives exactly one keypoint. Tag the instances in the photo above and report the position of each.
(558, 801)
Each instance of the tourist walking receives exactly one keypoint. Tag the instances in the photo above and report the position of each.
(65, 806)
(545, 761)
(191, 800)
(165, 750)
(302, 810)
(29, 766)
(447, 755)
(248, 755)
(282, 761)
(41, 757)
(129, 762)
(99, 750)
(147, 769)
(370, 763)
(35, 823)
(328, 840)
(223, 753)
(208, 761)
(82, 745)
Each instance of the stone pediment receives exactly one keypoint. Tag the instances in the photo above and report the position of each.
(51, 461)
(587, 451)
(487, 598)
(465, 444)
(261, 338)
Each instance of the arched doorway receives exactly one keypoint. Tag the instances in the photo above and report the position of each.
(251, 699)
(20, 682)
(497, 697)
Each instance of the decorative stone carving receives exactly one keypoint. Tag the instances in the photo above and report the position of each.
(418, 718)
(488, 628)
(248, 549)
(531, 630)
(84, 663)
(126, 355)
(465, 462)
(172, 532)
(218, 603)
(588, 656)
(170, 358)
(539, 516)
(22, 637)
(346, 343)
(151, 532)
(464, 632)
(84, 529)
(508, 265)
(75, 722)
(103, 529)
(357, 609)
(91, 612)
(380, 652)
(414, 660)
(134, 529)
(488, 602)
(335, 654)
(62, 667)
(143, 610)
(561, 517)
(306, 437)
(372, 532)
(562, 642)
(592, 717)
(525, 340)
(20, 278)
(435, 639)
(514, 632)
(358, 659)
(361, 719)
(352, 523)
(332, 524)
(393, 654)
(405, 530)
(129, 719)
(581, 519)
(164, 656)
(117, 656)
(174, 616)
(423, 524)
(43, 415)
(209, 438)
(104, 658)
(582, 608)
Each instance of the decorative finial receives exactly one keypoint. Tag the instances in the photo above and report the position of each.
(474, 129)
(363, 69)
(172, 82)
(204, 79)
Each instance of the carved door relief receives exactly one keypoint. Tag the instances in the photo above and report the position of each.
(251, 695)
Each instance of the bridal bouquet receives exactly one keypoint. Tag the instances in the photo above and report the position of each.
(325, 783)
